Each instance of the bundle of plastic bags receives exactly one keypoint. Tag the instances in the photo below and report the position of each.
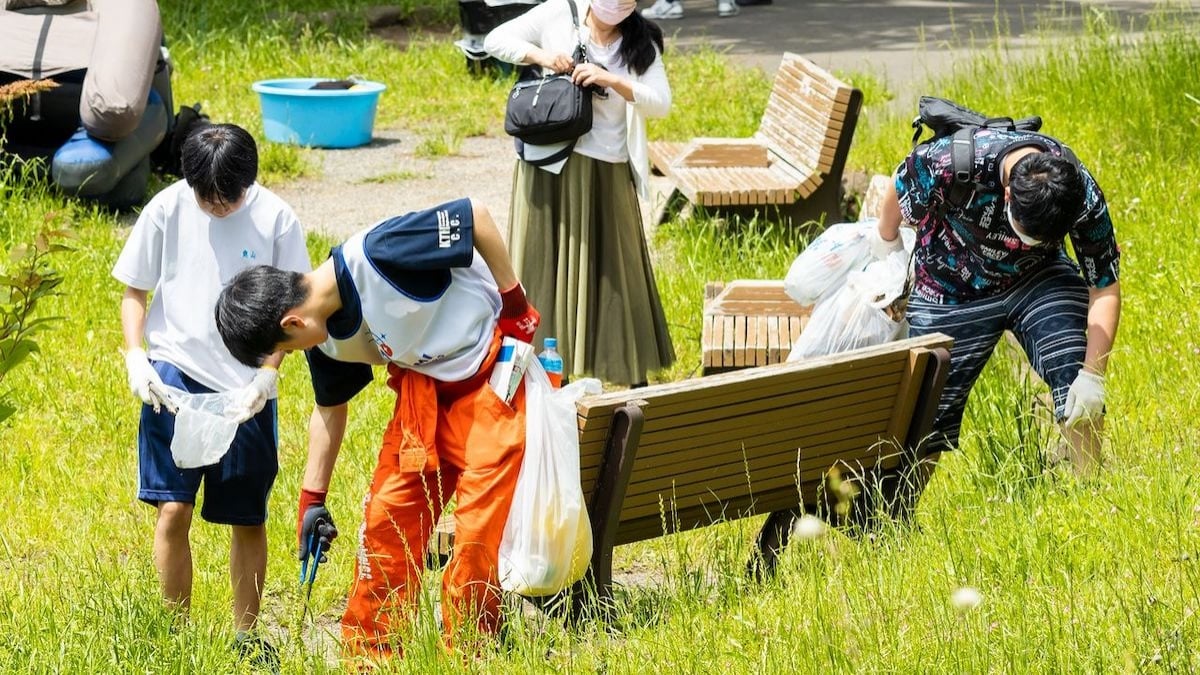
(859, 301)
(547, 540)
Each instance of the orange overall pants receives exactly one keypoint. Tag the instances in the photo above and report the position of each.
(445, 439)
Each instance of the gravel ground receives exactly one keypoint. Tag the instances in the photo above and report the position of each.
(356, 187)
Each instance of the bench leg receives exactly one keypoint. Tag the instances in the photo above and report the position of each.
(772, 539)
(675, 205)
(887, 495)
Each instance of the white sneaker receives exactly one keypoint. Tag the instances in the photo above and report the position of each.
(727, 8)
(668, 9)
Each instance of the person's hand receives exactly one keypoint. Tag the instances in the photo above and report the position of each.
(591, 74)
(144, 380)
(250, 399)
(314, 519)
(518, 318)
(1085, 398)
(881, 248)
(557, 62)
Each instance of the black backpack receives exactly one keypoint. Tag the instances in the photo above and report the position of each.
(947, 118)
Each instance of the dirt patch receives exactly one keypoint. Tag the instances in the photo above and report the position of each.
(357, 187)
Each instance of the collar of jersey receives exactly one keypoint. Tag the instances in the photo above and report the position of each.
(345, 322)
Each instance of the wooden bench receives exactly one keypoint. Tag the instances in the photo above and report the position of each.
(683, 455)
(794, 161)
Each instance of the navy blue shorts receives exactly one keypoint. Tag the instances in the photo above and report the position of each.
(235, 489)
(1047, 312)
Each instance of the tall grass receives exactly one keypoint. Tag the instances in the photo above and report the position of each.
(1075, 577)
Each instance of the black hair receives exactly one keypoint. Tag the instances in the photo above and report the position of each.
(250, 308)
(1046, 193)
(219, 162)
(639, 38)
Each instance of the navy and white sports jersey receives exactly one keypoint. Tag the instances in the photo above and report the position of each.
(415, 294)
(973, 252)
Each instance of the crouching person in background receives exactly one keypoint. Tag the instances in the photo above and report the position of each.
(430, 295)
(998, 262)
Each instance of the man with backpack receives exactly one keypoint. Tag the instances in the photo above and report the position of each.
(992, 205)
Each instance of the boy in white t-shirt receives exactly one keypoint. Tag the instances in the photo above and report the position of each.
(189, 240)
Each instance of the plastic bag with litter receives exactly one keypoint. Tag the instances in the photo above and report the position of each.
(205, 425)
(547, 540)
(821, 267)
(867, 310)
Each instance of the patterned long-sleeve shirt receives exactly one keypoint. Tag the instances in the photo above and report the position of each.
(972, 252)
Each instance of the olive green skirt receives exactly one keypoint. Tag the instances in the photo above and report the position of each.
(578, 247)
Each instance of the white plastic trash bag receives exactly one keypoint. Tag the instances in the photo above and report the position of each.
(821, 267)
(866, 311)
(205, 425)
(547, 541)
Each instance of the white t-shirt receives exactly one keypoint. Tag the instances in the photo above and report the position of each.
(185, 257)
(606, 141)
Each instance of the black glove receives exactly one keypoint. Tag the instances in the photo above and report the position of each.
(317, 532)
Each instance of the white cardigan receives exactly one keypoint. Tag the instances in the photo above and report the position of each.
(548, 26)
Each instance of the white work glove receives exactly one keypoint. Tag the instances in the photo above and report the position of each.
(144, 380)
(881, 248)
(250, 399)
(1085, 398)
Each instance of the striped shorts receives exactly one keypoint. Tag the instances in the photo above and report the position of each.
(1046, 311)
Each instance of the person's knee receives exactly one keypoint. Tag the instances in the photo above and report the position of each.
(249, 534)
(175, 518)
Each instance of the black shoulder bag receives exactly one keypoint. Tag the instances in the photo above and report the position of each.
(551, 109)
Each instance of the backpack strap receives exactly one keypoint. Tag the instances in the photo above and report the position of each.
(962, 165)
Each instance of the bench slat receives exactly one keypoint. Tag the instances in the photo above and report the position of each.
(808, 439)
(765, 476)
(667, 399)
(701, 387)
(683, 431)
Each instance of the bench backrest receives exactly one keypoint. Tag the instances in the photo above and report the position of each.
(756, 440)
(805, 115)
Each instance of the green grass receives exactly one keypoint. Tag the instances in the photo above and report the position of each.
(395, 177)
(1075, 577)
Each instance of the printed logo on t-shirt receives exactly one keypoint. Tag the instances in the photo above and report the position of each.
(426, 358)
(381, 343)
(248, 254)
(448, 229)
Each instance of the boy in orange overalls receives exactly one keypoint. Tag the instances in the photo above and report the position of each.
(409, 293)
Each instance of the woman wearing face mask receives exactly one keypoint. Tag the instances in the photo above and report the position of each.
(575, 226)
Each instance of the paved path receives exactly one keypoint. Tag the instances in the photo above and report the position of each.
(901, 41)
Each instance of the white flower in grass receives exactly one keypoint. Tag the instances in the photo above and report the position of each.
(965, 599)
(808, 528)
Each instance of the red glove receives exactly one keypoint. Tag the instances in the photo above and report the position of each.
(308, 498)
(518, 318)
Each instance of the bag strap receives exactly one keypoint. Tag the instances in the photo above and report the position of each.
(580, 54)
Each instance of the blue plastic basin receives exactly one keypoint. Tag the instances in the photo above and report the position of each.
(322, 118)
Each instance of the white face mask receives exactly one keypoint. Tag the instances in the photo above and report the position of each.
(1025, 239)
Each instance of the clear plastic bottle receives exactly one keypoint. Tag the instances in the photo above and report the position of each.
(552, 362)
